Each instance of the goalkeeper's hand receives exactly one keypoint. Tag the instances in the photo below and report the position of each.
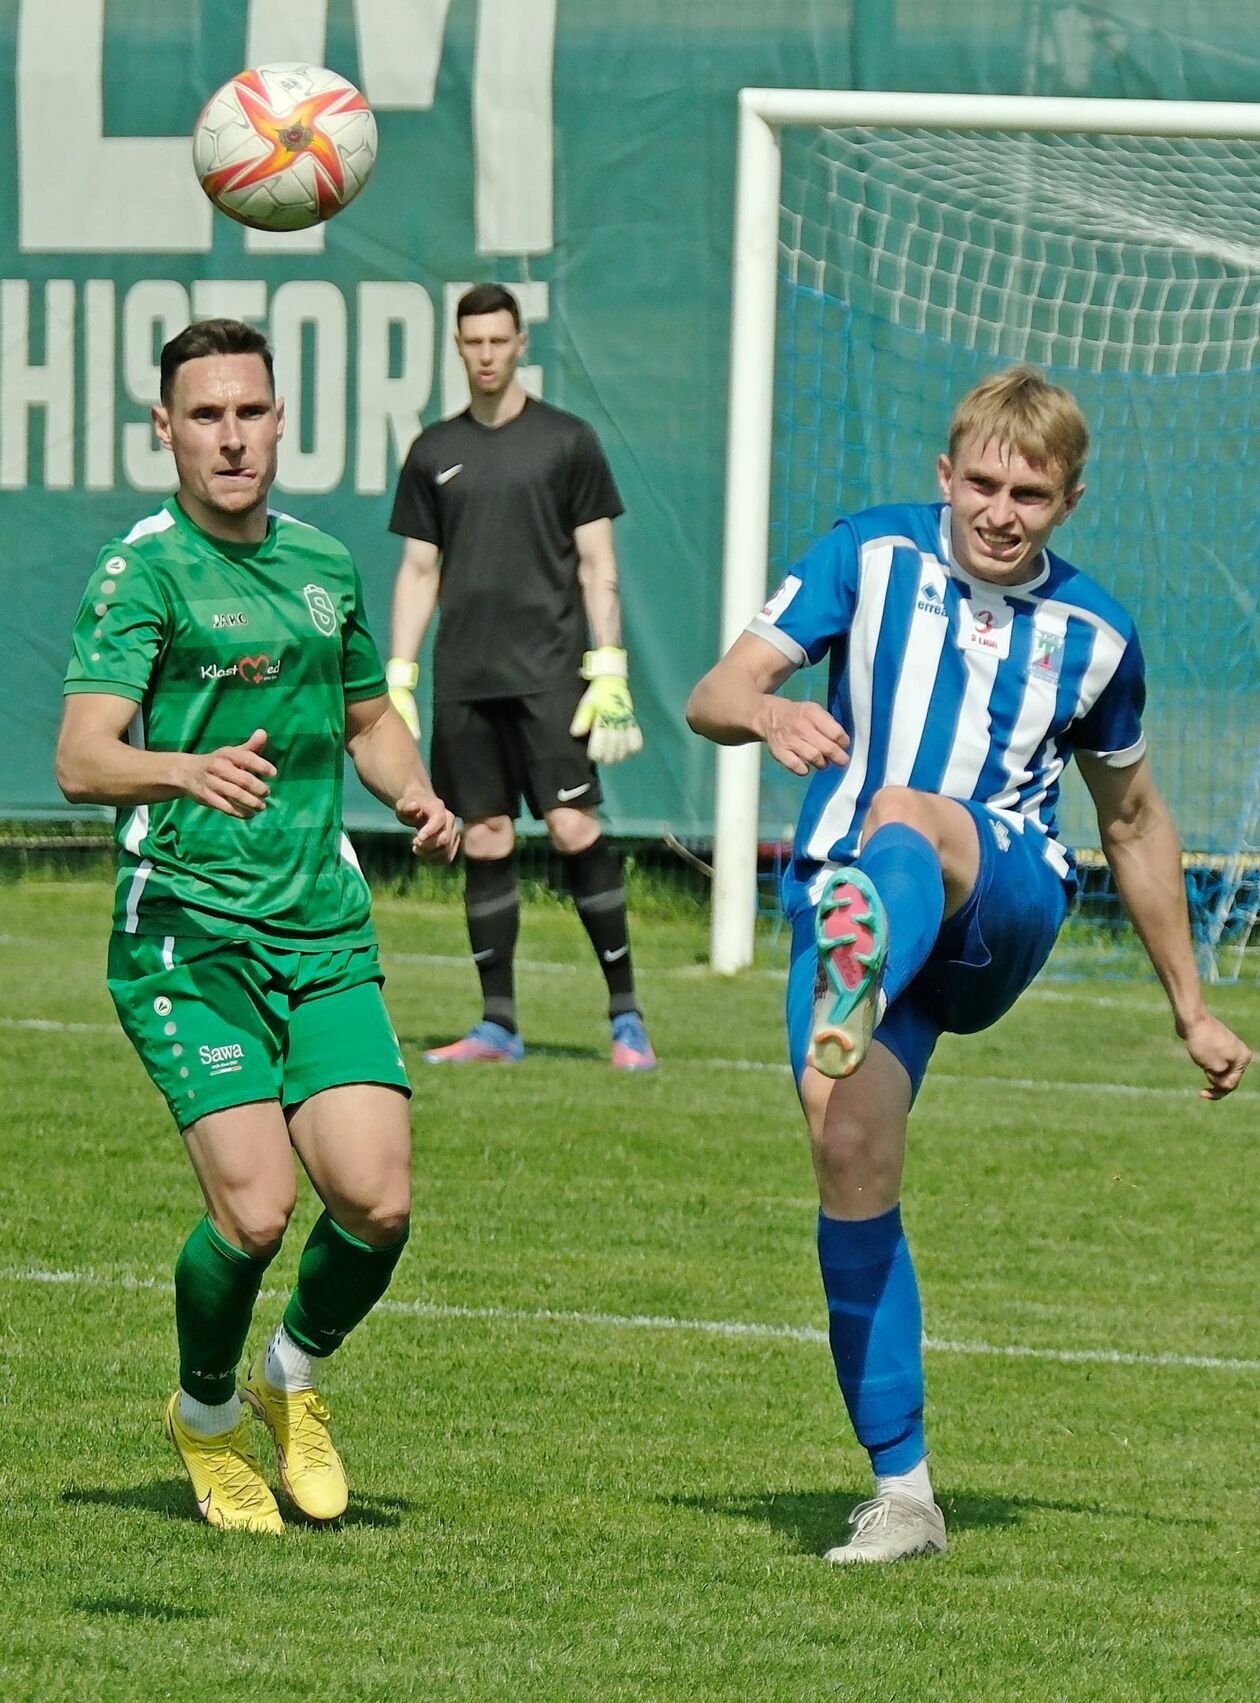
(606, 712)
(401, 677)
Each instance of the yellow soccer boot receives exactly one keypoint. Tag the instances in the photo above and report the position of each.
(310, 1467)
(230, 1490)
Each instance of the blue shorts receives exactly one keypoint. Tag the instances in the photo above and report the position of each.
(985, 955)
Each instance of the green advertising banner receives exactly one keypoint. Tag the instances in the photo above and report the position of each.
(581, 151)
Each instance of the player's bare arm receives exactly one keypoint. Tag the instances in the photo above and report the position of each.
(1139, 841)
(735, 703)
(387, 762)
(597, 576)
(96, 765)
(415, 597)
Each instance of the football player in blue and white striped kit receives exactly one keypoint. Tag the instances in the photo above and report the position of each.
(967, 665)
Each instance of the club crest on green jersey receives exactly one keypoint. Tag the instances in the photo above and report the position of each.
(323, 611)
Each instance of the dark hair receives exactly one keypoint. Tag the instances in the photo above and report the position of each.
(488, 298)
(212, 337)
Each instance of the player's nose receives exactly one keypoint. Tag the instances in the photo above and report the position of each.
(1001, 509)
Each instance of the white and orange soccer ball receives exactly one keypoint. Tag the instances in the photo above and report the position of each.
(281, 147)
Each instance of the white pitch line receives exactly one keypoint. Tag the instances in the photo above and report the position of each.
(702, 972)
(52, 1025)
(1024, 1084)
(665, 1322)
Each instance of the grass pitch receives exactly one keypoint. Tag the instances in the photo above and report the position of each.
(593, 1435)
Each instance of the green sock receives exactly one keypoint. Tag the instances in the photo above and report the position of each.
(340, 1279)
(216, 1286)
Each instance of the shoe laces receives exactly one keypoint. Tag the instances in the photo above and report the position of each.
(308, 1427)
(237, 1468)
(491, 1035)
(629, 1031)
(870, 1516)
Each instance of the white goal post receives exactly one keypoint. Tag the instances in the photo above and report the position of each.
(764, 114)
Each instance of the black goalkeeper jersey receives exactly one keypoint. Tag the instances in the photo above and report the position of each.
(501, 503)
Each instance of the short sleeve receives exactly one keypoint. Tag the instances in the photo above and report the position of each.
(593, 493)
(414, 514)
(814, 605)
(119, 630)
(361, 673)
(1111, 728)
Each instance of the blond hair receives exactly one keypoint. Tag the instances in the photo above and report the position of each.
(1022, 410)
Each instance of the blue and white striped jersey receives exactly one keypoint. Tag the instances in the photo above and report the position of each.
(948, 683)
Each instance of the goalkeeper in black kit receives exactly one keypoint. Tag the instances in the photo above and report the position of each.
(506, 515)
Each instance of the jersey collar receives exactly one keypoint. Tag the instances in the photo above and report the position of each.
(224, 546)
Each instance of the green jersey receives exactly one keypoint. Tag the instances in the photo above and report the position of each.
(213, 640)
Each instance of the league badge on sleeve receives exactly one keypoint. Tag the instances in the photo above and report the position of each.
(323, 611)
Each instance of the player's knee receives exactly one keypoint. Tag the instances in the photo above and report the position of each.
(492, 837)
(898, 804)
(382, 1224)
(572, 831)
(258, 1227)
(848, 1155)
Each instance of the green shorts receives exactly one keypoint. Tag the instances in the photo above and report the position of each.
(219, 1023)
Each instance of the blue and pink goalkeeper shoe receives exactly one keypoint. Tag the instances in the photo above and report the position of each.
(487, 1043)
(631, 1049)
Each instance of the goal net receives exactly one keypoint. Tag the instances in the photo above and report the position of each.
(912, 259)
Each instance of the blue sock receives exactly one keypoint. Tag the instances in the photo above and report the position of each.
(876, 1330)
(907, 876)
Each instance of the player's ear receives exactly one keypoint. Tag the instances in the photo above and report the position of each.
(161, 424)
(944, 473)
(1071, 499)
(279, 417)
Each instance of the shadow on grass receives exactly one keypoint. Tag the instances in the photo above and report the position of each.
(386, 1512)
(813, 1520)
(172, 1499)
(137, 1608)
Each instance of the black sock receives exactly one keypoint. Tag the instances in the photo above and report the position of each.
(493, 913)
(594, 879)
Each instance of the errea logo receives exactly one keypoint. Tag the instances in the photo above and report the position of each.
(931, 598)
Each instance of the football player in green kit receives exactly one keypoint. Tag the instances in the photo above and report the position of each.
(243, 962)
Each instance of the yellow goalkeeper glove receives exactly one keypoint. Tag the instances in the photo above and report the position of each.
(606, 712)
(401, 677)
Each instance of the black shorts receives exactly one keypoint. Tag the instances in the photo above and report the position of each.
(489, 754)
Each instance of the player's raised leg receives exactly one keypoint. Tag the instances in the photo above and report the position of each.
(878, 918)
(355, 1142)
(244, 1164)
